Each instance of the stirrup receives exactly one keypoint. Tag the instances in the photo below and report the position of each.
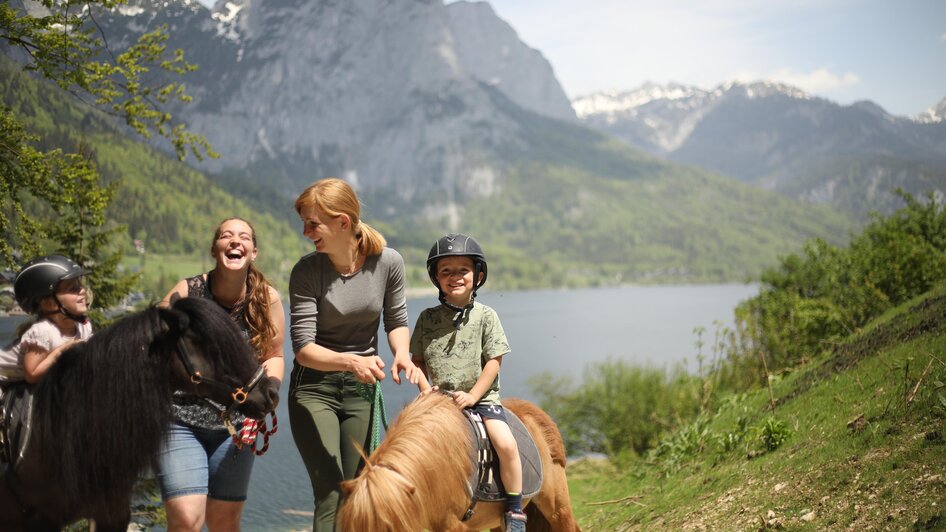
(514, 521)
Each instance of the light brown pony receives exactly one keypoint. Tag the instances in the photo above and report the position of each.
(418, 478)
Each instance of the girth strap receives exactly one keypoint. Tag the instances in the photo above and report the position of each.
(484, 456)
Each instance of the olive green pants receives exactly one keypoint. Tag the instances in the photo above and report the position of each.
(326, 415)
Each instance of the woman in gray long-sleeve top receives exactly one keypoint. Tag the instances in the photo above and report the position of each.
(338, 296)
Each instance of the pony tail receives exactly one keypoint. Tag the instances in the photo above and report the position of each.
(262, 329)
(370, 241)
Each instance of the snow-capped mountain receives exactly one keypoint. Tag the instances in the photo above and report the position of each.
(934, 114)
(660, 118)
(777, 136)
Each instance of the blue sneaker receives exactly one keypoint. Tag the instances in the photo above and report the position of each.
(515, 521)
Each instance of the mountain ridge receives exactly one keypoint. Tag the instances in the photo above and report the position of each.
(777, 137)
(371, 92)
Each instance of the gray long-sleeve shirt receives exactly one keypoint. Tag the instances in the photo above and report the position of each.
(343, 313)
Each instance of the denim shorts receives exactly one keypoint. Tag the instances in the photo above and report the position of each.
(196, 461)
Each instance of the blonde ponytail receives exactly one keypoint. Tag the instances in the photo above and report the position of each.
(335, 197)
(370, 241)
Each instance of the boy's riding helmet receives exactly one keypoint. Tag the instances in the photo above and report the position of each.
(39, 278)
(456, 244)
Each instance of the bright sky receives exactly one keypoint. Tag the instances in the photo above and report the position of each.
(887, 51)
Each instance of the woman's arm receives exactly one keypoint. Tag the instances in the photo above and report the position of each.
(273, 359)
(180, 289)
(399, 339)
(366, 369)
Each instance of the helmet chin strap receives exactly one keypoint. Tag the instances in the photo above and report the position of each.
(462, 311)
(74, 317)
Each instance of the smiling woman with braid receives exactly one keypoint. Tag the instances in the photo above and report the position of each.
(203, 473)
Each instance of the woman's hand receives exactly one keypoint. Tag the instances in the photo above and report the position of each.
(412, 373)
(367, 370)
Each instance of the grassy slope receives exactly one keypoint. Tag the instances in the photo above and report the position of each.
(884, 473)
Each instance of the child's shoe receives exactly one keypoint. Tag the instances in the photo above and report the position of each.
(515, 521)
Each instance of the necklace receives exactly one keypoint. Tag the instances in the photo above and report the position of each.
(355, 267)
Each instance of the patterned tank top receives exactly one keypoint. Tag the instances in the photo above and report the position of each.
(198, 411)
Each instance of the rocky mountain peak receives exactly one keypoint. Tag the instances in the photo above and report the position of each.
(615, 102)
(489, 49)
(762, 89)
(934, 114)
(407, 96)
(676, 97)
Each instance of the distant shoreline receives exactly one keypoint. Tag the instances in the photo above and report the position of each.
(418, 292)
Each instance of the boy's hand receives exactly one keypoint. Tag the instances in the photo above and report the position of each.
(463, 399)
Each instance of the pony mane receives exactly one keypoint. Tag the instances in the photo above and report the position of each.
(103, 409)
(395, 490)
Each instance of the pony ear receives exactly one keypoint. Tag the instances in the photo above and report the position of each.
(347, 486)
(174, 297)
(175, 320)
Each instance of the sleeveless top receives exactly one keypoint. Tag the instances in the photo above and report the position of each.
(191, 409)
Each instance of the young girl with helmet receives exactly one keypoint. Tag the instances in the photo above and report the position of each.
(51, 289)
(460, 345)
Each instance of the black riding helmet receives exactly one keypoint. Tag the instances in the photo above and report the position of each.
(39, 278)
(457, 245)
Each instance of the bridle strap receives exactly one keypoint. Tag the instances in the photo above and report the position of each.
(238, 395)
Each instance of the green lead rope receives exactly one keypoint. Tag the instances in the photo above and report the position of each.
(379, 417)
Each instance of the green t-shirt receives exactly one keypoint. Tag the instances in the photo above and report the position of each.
(455, 357)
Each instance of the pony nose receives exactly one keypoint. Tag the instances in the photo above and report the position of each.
(272, 395)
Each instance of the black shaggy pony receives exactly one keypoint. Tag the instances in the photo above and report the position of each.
(102, 411)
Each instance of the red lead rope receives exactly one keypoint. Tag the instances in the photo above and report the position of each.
(251, 429)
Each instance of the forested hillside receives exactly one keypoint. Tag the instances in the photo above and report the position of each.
(823, 408)
(440, 132)
(172, 208)
(577, 209)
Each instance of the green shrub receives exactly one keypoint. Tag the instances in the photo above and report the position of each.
(813, 299)
(619, 406)
(773, 433)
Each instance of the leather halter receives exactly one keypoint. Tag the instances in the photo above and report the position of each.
(238, 394)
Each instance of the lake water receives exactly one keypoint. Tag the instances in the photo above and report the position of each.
(556, 331)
